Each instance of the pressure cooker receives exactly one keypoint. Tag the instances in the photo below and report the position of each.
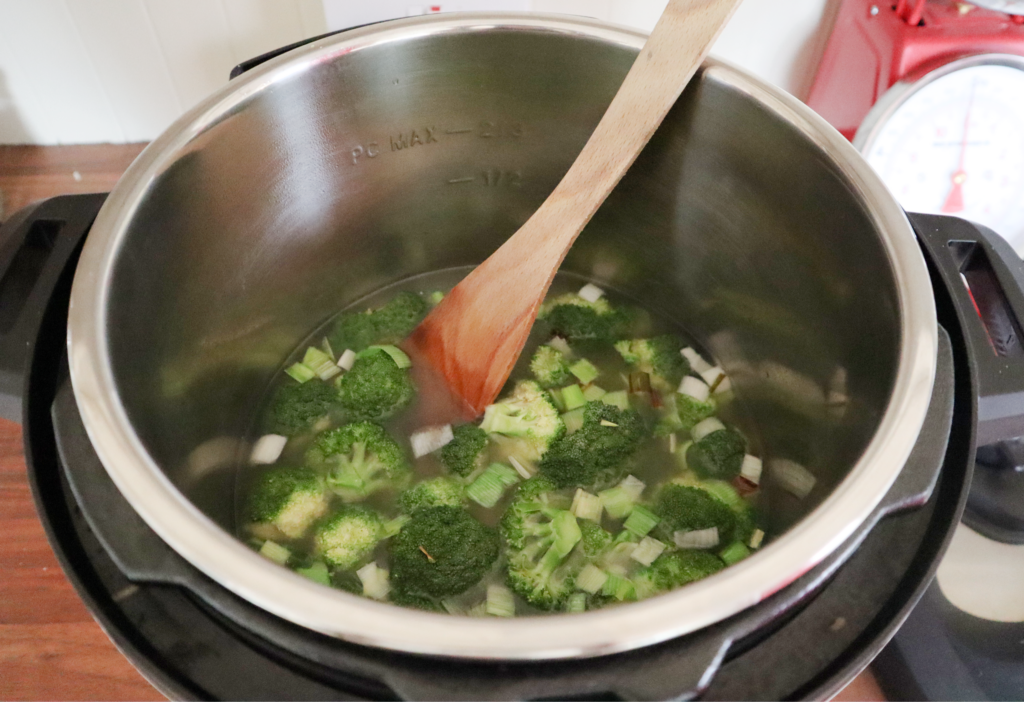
(876, 349)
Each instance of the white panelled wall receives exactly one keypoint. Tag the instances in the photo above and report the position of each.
(87, 71)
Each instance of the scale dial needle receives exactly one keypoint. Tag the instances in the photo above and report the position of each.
(955, 199)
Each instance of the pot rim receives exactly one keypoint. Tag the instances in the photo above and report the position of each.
(233, 565)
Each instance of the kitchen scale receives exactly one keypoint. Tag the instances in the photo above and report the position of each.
(932, 94)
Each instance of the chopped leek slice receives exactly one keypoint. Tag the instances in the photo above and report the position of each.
(276, 552)
(426, 441)
(591, 579)
(647, 551)
(393, 526)
(700, 539)
(751, 469)
(793, 477)
(633, 485)
(594, 393)
(708, 426)
(572, 396)
(300, 372)
(487, 489)
(734, 553)
(695, 388)
(316, 572)
(347, 359)
(618, 399)
(320, 363)
(398, 355)
(617, 502)
(586, 505)
(640, 521)
(577, 602)
(500, 601)
(584, 370)
(573, 420)
(697, 362)
(267, 449)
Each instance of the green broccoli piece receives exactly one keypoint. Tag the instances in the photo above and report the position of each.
(296, 407)
(550, 367)
(540, 543)
(718, 455)
(348, 537)
(359, 459)
(528, 416)
(388, 324)
(286, 499)
(674, 569)
(595, 541)
(692, 411)
(435, 492)
(593, 456)
(659, 358)
(375, 388)
(464, 454)
(685, 508)
(441, 551)
(576, 319)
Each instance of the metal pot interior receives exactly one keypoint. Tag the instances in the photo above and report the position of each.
(350, 166)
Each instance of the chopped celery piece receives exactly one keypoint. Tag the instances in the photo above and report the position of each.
(325, 345)
(573, 420)
(316, 572)
(594, 393)
(640, 521)
(647, 551)
(617, 502)
(618, 587)
(300, 372)
(724, 492)
(453, 608)
(577, 602)
(591, 579)
(500, 601)
(584, 370)
(618, 399)
(487, 489)
(320, 363)
(556, 399)
(734, 553)
(586, 506)
(276, 552)
(756, 538)
(397, 354)
(572, 396)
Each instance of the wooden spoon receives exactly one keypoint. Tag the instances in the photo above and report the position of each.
(472, 339)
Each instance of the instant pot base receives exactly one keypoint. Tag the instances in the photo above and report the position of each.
(809, 640)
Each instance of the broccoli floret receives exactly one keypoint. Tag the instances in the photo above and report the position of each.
(347, 538)
(685, 508)
(658, 357)
(359, 459)
(674, 569)
(593, 455)
(550, 367)
(576, 319)
(288, 499)
(441, 551)
(718, 455)
(529, 417)
(388, 324)
(595, 539)
(464, 454)
(433, 493)
(540, 538)
(296, 407)
(692, 411)
(375, 388)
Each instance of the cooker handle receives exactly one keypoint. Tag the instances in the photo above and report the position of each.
(36, 245)
(985, 280)
(250, 64)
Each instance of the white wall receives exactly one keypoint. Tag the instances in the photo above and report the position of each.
(80, 71)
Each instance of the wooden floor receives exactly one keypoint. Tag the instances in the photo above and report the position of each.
(50, 648)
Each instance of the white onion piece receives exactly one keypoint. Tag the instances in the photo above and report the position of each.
(751, 469)
(793, 477)
(711, 375)
(267, 449)
(430, 439)
(708, 426)
(647, 551)
(695, 388)
(697, 362)
(375, 581)
(347, 360)
(633, 486)
(703, 538)
(591, 293)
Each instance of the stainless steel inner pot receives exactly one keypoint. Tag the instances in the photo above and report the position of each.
(398, 149)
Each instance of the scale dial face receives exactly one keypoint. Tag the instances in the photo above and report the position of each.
(952, 142)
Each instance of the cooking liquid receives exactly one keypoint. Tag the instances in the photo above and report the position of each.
(653, 463)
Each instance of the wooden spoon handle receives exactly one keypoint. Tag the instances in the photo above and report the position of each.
(474, 337)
